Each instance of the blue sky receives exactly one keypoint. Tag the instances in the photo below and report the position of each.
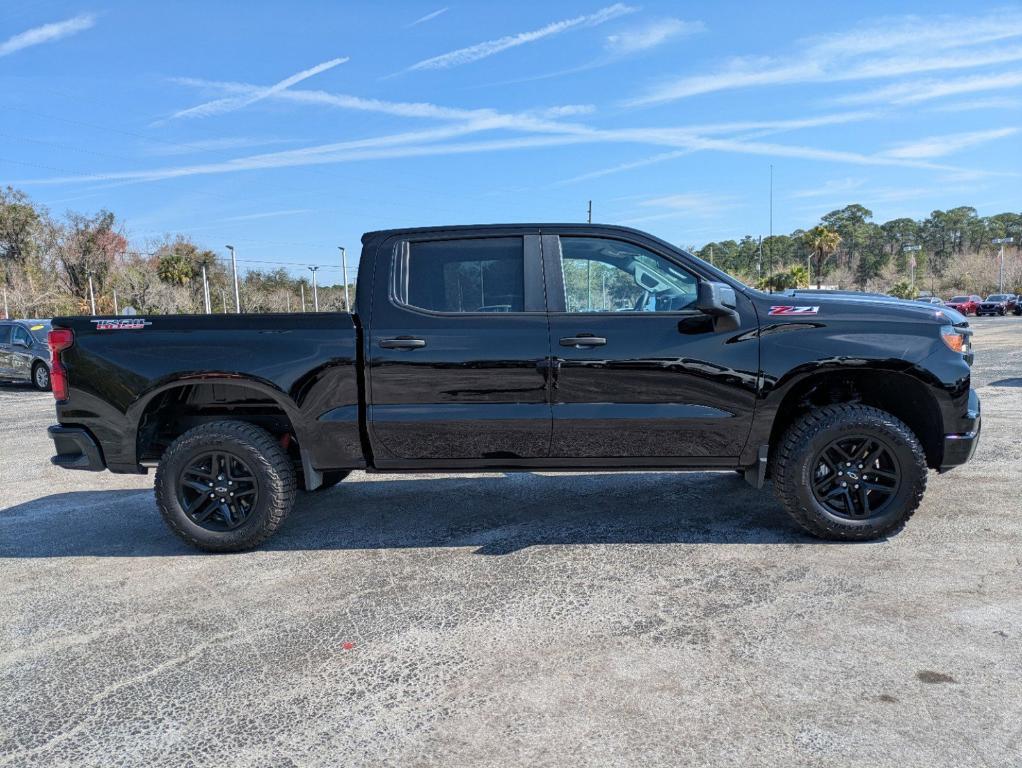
(287, 129)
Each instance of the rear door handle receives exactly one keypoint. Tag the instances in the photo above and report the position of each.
(583, 341)
(403, 342)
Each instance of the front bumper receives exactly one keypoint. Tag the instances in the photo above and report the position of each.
(960, 446)
(76, 449)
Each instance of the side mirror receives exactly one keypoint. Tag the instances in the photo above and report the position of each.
(718, 300)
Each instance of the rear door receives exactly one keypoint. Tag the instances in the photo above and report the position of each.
(457, 349)
(642, 374)
(5, 350)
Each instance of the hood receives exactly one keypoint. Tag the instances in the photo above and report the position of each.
(875, 305)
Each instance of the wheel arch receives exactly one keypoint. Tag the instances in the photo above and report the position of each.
(897, 392)
(170, 409)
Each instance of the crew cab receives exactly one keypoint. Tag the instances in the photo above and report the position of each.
(966, 305)
(997, 304)
(515, 347)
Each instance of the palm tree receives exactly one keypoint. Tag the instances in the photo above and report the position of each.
(821, 242)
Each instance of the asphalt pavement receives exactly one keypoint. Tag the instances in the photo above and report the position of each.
(533, 619)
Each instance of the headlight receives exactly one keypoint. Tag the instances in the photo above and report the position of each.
(957, 340)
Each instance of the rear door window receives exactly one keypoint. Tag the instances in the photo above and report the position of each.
(5, 334)
(463, 276)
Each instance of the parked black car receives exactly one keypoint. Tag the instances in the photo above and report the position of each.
(997, 304)
(613, 350)
(24, 355)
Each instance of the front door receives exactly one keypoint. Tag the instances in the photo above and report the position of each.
(21, 353)
(642, 374)
(458, 350)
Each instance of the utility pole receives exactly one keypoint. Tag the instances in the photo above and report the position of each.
(770, 250)
(223, 298)
(205, 291)
(302, 286)
(92, 296)
(117, 309)
(344, 275)
(711, 253)
(234, 267)
(759, 264)
(315, 292)
(1000, 269)
(289, 302)
(912, 249)
(7, 315)
(589, 217)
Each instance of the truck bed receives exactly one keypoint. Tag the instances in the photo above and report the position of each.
(303, 365)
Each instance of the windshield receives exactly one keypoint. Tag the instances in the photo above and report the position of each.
(959, 299)
(39, 331)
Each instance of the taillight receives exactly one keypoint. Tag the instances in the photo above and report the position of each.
(59, 340)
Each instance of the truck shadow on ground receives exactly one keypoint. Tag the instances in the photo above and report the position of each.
(494, 515)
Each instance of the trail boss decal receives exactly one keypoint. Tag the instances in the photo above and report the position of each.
(131, 324)
(785, 310)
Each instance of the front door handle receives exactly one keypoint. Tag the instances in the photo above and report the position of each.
(585, 340)
(403, 342)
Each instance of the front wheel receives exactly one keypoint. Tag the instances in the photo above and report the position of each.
(850, 472)
(225, 486)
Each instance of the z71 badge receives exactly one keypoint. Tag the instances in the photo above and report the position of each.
(785, 310)
(130, 324)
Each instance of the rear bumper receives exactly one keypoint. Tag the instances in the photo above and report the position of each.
(960, 446)
(76, 449)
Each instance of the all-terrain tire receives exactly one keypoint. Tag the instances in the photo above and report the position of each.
(795, 461)
(270, 466)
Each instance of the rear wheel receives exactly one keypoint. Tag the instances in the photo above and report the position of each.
(41, 377)
(850, 472)
(225, 486)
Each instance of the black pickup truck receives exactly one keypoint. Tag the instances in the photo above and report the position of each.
(513, 347)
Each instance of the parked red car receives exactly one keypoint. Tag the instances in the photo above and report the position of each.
(967, 305)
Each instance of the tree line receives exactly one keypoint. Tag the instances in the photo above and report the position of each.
(59, 265)
(848, 249)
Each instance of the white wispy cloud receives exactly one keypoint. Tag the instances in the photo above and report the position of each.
(213, 145)
(686, 205)
(995, 103)
(915, 91)
(488, 48)
(427, 17)
(941, 146)
(651, 35)
(831, 188)
(433, 143)
(47, 33)
(268, 214)
(232, 103)
(882, 49)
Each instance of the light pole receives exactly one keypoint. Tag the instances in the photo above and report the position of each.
(205, 290)
(92, 296)
(344, 276)
(1000, 269)
(315, 292)
(912, 261)
(117, 309)
(7, 315)
(234, 267)
(302, 286)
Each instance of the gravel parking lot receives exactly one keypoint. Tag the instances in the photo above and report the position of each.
(540, 619)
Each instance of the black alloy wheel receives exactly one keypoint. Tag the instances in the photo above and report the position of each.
(217, 491)
(856, 477)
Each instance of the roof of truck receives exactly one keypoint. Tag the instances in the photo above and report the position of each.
(527, 225)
